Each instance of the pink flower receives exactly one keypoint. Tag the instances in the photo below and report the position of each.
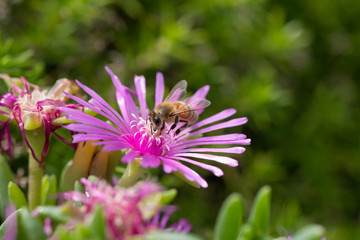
(132, 131)
(32, 108)
(127, 211)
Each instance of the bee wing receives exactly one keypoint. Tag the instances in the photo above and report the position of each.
(198, 103)
(177, 92)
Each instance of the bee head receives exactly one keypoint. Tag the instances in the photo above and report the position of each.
(155, 120)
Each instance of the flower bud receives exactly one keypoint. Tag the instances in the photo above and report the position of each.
(32, 121)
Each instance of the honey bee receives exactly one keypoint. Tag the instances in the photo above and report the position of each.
(173, 110)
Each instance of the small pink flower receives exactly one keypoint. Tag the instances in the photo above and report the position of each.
(132, 131)
(47, 226)
(127, 211)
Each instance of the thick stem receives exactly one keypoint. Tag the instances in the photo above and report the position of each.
(36, 140)
(35, 175)
(132, 173)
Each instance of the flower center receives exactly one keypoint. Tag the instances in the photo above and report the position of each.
(36, 106)
(28, 102)
(145, 142)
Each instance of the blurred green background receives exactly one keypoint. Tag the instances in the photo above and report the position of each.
(291, 67)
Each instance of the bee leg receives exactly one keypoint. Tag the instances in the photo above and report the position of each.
(175, 123)
(182, 127)
(162, 128)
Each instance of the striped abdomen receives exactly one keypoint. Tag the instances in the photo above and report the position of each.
(185, 112)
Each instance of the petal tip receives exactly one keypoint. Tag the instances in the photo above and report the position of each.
(203, 184)
(218, 173)
(159, 75)
(234, 164)
(240, 150)
(231, 111)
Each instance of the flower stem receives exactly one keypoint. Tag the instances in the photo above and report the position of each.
(132, 173)
(36, 139)
(35, 175)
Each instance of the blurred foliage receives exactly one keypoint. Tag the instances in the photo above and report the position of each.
(229, 222)
(291, 67)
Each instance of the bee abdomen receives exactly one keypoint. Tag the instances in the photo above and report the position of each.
(193, 116)
(188, 113)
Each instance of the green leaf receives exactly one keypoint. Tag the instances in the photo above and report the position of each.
(229, 219)
(32, 227)
(113, 161)
(246, 232)
(78, 187)
(36, 139)
(79, 167)
(167, 196)
(5, 177)
(132, 173)
(260, 211)
(16, 196)
(64, 183)
(97, 225)
(48, 188)
(172, 236)
(57, 213)
(91, 178)
(310, 232)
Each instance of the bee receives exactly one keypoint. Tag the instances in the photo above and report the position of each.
(173, 110)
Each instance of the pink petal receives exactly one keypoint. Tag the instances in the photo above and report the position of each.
(118, 121)
(47, 226)
(113, 147)
(91, 137)
(126, 103)
(149, 160)
(234, 138)
(11, 226)
(215, 170)
(221, 159)
(130, 156)
(236, 150)
(113, 113)
(79, 127)
(170, 210)
(217, 117)
(159, 88)
(118, 142)
(78, 116)
(183, 226)
(168, 168)
(140, 86)
(228, 124)
(190, 174)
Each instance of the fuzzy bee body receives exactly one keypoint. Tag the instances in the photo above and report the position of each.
(174, 111)
(168, 111)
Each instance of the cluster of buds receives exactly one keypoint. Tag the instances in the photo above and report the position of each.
(34, 111)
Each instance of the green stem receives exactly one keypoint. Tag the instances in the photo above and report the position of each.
(132, 173)
(36, 140)
(35, 175)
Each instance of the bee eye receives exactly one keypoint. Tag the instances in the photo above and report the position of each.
(157, 120)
